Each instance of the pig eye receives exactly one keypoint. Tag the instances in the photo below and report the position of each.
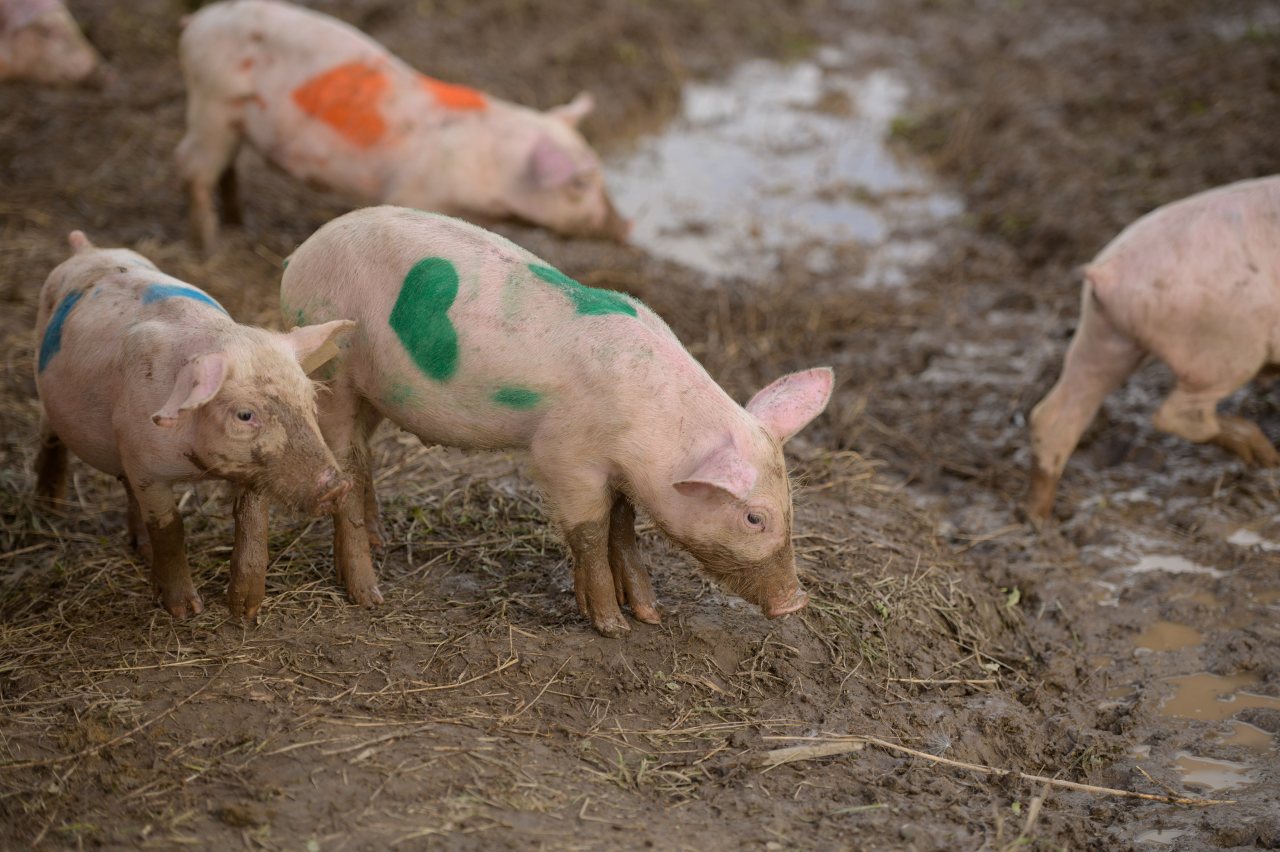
(755, 519)
(245, 415)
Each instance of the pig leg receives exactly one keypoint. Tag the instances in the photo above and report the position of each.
(367, 421)
(342, 424)
(630, 577)
(170, 575)
(1098, 361)
(229, 196)
(51, 465)
(205, 153)
(138, 538)
(1190, 412)
(249, 557)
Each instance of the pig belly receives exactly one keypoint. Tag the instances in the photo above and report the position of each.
(78, 406)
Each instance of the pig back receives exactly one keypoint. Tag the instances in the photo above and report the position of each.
(467, 339)
(1198, 274)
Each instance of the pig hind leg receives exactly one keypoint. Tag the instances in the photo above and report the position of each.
(205, 155)
(630, 577)
(51, 465)
(1098, 361)
(346, 422)
(1191, 412)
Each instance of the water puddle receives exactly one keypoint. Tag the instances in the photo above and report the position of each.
(1248, 736)
(1213, 774)
(780, 159)
(1163, 836)
(1248, 538)
(1171, 564)
(1212, 698)
(1168, 636)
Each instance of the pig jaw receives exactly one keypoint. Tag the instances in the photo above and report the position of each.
(770, 583)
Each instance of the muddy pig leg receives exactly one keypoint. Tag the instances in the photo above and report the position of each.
(229, 195)
(204, 155)
(339, 420)
(51, 465)
(138, 538)
(1098, 361)
(367, 421)
(170, 575)
(630, 576)
(1190, 412)
(249, 557)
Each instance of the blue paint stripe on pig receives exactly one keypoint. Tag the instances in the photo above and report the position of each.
(51, 343)
(160, 292)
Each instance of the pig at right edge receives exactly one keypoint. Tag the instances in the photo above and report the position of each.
(1195, 283)
(467, 339)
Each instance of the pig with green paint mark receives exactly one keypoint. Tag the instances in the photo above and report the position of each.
(147, 378)
(469, 340)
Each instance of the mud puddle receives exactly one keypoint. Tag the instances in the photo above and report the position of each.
(785, 160)
(1212, 698)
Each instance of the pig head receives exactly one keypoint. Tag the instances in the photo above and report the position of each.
(731, 508)
(40, 41)
(247, 414)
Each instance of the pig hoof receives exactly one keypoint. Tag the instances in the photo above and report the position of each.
(613, 628)
(183, 605)
(647, 614)
(365, 596)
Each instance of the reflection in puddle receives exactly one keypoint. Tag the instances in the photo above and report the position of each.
(1211, 698)
(1172, 565)
(1248, 736)
(1165, 836)
(1168, 636)
(779, 157)
(1214, 774)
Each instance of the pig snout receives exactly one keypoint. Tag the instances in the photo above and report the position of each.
(791, 600)
(331, 487)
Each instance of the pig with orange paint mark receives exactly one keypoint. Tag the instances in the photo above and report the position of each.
(329, 105)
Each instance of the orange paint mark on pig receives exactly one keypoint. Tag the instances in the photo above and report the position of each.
(346, 98)
(246, 63)
(452, 96)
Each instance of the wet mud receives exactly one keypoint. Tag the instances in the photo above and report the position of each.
(900, 190)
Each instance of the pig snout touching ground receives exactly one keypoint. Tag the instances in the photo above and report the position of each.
(329, 105)
(1195, 283)
(40, 42)
(146, 377)
(471, 341)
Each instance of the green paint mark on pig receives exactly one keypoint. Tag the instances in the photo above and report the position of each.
(400, 394)
(586, 300)
(518, 398)
(420, 317)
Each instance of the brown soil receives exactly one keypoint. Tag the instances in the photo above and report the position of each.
(476, 708)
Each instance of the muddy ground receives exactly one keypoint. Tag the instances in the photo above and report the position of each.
(476, 709)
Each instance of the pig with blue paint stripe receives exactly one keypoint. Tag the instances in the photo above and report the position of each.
(466, 339)
(148, 378)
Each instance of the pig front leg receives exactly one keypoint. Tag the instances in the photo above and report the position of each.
(345, 423)
(170, 574)
(249, 557)
(138, 538)
(1098, 361)
(630, 577)
(204, 155)
(51, 465)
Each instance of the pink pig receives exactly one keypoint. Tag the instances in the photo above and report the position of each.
(1195, 283)
(146, 377)
(39, 41)
(329, 105)
(469, 340)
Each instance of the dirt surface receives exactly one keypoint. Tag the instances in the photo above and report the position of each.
(476, 708)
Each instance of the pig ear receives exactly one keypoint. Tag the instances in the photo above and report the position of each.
(786, 406)
(577, 109)
(198, 381)
(78, 241)
(550, 165)
(723, 469)
(313, 345)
